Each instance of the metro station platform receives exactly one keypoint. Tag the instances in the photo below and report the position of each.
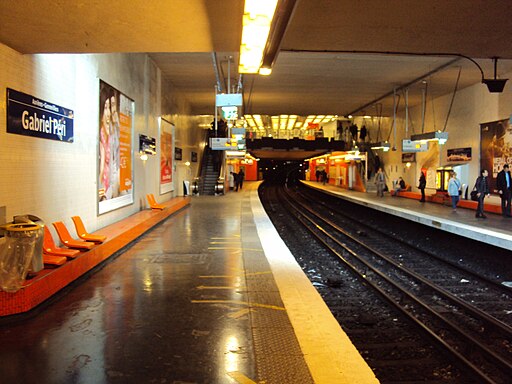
(495, 230)
(210, 295)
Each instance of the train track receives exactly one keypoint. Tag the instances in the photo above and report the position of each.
(466, 323)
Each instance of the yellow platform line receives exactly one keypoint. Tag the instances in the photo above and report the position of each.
(241, 378)
(238, 303)
(219, 287)
(237, 248)
(239, 313)
(233, 276)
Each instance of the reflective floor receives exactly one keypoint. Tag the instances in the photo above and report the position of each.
(162, 312)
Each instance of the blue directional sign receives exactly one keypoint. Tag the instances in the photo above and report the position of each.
(30, 116)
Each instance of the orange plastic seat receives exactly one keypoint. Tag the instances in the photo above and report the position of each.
(50, 249)
(54, 260)
(83, 234)
(152, 202)
(67, 240)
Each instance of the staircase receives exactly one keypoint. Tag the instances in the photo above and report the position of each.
(372, 164)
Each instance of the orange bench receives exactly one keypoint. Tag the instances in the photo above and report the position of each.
(83, 234)
(407, 189)
(153, 204)
(67, 240)
(50, 249)
(54, 261)
(49, 281)
(443, 198)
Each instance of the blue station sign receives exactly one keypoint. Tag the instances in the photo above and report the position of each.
(30, 116)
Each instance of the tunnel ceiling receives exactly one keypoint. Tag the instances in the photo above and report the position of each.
(328, 62)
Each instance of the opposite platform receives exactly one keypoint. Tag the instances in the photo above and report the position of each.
(495, 230)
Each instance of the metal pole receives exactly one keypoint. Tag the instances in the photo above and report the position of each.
(394, 119)
(406, 113)
(229, 74)
(423, 102)
(216, 119)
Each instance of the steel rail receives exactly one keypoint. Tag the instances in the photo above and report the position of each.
(476, 370)
(448, 295)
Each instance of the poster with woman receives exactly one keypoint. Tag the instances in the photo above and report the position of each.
(115, 186)
(166, 156)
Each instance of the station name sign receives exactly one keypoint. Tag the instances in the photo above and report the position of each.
(30, 116)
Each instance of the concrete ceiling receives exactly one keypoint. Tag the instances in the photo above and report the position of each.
(332, 58)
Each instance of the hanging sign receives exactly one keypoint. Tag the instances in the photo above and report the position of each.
(29, 116)
(229, 100)
(414, 146)
(223, 144)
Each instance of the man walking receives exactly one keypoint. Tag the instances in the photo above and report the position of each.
(380, 181)
(504, 182)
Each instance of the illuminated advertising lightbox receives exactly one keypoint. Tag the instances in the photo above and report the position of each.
(166, 156)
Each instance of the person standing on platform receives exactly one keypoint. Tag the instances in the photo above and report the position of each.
(422, 185)
(236, 180)
(362, 133)
(482, 189)
(353, 131)
(454, 190)
(241, 177)
(325, 176)
(380, 181)
(504, 182)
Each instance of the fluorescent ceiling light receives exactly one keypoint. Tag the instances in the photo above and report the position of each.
(258, 15)
(287, 122)
(265, 71)
(439, 136)
(384, 145)
(235, 153)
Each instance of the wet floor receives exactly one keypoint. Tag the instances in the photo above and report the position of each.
(165, 311)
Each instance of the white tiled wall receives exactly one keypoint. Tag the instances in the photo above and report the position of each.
(56, 180)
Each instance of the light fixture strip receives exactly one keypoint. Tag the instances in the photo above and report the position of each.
(257, 18)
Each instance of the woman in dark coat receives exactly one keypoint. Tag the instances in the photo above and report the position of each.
(422, 185)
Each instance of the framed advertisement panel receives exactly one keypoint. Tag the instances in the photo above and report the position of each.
(166, 156)
(408, 157)
(115, 152)
(495, 148)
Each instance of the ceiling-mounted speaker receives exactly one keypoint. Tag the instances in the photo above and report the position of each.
(495, 85)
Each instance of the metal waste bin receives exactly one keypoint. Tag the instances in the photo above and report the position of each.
(17, 254)
(37, 261)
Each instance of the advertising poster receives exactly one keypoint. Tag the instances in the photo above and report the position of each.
(115, 180)
(408, 157)
(166, 156)
(178, 154)
(30, 116)
(496, 148)
(459, 154)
